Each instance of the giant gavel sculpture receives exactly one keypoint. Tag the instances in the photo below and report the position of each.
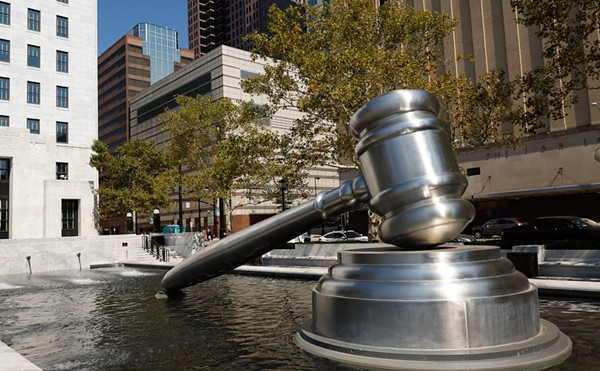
(409, 177)
(406, 305)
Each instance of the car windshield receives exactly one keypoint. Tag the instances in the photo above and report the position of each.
(352, 234)
(586, 223)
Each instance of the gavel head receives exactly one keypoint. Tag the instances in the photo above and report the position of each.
(410, 170)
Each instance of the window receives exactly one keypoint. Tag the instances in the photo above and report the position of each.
(33, 125)
(62, 132)
(33, 20)
(473, 171)
(62, 97)
(4, 50)
(62, 171)
(62, 61)
(4, 12)
(4, 169)
(70, 216)
(33, 56)
(3, 217)
(4, 88)
(62, 26)
(4, 121)
(63, 1)
(33, 92)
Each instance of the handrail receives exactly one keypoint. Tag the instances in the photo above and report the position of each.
(155, 249)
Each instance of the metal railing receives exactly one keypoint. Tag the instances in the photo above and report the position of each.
(151, 245)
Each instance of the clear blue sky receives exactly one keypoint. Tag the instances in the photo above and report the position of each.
(116, 17)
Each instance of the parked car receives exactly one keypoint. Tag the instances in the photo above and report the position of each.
(495, 227)
(341, 236)
(564, 223)
(300, 239)
(557, 228)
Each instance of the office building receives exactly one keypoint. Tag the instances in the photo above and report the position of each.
(48, 118)
(554, 172)
(146, 54)
(214, 23)
(217, 74)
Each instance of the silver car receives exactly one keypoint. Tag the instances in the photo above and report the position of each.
(342, 236)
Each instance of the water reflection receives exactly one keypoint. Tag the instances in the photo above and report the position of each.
(110, 320)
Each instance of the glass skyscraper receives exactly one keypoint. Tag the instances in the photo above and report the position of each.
(161, 44)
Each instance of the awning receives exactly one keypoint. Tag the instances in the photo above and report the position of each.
(537, 192)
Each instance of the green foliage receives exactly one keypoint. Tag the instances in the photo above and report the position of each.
(135, 178)
(224, 146)
(569, 30)
(330, 61)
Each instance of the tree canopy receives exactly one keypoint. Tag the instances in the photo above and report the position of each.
(225, 146)
(134, 178)
(330, 61)
(570, 32)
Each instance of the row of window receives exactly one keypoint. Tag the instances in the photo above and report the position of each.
(34, 93)
(70, 216)
(34, 19)
(62, 128)
(34, 56)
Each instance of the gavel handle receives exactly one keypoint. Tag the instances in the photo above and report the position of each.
(258, 239)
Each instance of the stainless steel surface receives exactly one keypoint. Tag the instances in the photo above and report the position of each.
(410, 169)
(408, 166)
(250, 243)
(449, 308)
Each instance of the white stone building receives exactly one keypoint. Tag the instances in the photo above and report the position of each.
(48, 118)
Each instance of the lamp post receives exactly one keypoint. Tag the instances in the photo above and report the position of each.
(129, 222)
(283, 187)
(222, 218)
(199, 216)
(156, 220)
(180, 204)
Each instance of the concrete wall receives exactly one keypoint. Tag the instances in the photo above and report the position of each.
(542, 161)
(60, 254)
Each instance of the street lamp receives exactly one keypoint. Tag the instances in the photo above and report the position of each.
(595, 104)
(156, 220)
(283, 186)
(316, 178)
(129, 218)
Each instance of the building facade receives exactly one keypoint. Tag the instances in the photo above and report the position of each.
(213, 23)
(218, 74)
(48, 118)
(146, 54)
(555, 172)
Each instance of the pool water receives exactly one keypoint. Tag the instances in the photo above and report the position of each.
(109, 319)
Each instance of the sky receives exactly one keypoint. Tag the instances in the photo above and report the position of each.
(117, 17)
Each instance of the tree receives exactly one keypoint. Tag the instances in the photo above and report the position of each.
(570, 31)
(330, 61)
(220, 147)
(135, 178)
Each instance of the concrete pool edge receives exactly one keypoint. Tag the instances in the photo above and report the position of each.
(14, 361)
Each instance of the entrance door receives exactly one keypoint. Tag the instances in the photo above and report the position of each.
(70, 218)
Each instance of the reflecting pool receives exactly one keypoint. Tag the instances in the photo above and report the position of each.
(109, 319)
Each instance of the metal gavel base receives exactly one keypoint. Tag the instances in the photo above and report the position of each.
(451, 308)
